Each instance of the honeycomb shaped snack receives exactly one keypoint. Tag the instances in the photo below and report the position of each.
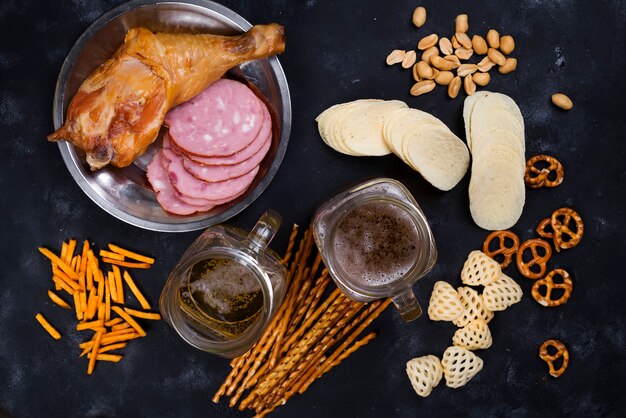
(480, 269)
(460, 366)
(444, 304)
(502, 293)
(473, 336)
(424, 373)
(474, 307)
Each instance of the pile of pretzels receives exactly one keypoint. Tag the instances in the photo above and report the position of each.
(565, 228)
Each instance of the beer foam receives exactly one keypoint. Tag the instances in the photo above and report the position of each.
(376, 244)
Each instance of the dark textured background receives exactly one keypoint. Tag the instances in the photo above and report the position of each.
(335, 53)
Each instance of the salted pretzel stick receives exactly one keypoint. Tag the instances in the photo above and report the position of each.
(249, 362)
(236, 367)
(316, 266)
(314, 370)
(308, 305)
(299, 275)
(253, 356)
(332, 298)
(290, 245)
(370, 314)
(330, 317)
(326, 365)
(250, 357)
(317, 297)
(317, 350)
(281, 369)
(317, 289)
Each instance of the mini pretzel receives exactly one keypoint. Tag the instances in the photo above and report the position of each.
(542, 228)
(548, 283)
(539, 177)
(537, 260)
(506, 252)
(561, 351)
(562, 228)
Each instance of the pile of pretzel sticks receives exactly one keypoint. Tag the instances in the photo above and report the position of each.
(98, 297)
(310, 334)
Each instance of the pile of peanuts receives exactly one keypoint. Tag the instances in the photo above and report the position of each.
(442, 56)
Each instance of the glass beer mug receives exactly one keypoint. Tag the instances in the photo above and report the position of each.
(376, 243)
(226, 288)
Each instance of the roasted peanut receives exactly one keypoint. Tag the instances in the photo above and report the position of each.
(419, 16)
(416, 75)
(493, 38)
(454, 59)
(446, 46)
(454, 42)
(442, 64)
(422, 87)
(464, 40)
(454, 87)
(463, 53)
(424, 70)
(562, 101)
(444, 78)
(427, 42)
(509, 66)
(496, 56)
(409, 59)
(485, 65)
(482, 79)
(479, 45)
(461, 23)
(469, 85)
(507, 44)
(396, 56)
(430, 52)
(466, 69)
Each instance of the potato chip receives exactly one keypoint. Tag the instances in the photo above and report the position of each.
(361, 130)
(428, 146)
(494, 128)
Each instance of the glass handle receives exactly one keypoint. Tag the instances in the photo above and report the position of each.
(407, 306)
(265, 229)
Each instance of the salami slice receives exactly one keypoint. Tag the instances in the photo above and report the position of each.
(213, 173)
(242, 155)
(188, 185)
(165, 161)
(166, 194)
(222, 120)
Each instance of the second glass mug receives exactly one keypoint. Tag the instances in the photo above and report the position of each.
(378, 191)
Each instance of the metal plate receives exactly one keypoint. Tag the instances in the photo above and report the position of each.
(125, 193)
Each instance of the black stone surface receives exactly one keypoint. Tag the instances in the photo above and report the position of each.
(335, 53)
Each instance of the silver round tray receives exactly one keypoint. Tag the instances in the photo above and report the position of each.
(125, 192)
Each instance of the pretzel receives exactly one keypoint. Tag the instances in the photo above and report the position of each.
(506, 252)
(561, 351)
(525, 267)
(548, 283)
(536, 177)
(542, 229)
(562, 228)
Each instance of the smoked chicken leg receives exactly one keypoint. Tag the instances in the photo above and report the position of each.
(120, 107)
